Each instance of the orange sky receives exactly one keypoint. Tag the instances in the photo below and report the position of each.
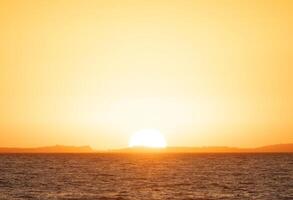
(93, 72)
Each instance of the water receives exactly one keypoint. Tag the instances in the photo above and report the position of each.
(162, 176)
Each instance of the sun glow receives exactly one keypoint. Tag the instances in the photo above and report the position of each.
(148, 138)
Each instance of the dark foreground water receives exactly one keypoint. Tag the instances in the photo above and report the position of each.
(181, 176)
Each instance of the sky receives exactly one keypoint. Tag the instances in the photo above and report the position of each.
(203, 72)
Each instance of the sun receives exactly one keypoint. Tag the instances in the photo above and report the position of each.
(150, 138)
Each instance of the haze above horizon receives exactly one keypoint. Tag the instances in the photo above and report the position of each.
(214, 73)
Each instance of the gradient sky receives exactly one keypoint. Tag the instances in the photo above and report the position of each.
(93, 72)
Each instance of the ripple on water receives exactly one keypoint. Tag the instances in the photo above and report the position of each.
(185, 176)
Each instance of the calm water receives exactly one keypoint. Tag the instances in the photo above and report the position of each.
(110, 176)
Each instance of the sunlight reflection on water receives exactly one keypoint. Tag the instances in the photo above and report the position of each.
(165, 176)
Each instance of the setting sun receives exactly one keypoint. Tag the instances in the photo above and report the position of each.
(148, 138)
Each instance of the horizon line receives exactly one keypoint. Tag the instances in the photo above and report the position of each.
(280, 147)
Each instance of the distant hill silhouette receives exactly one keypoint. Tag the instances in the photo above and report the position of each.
(278, 148)
(275, 148)
(50, 149)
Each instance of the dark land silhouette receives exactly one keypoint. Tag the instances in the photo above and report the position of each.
(277, 148)
(50, 149)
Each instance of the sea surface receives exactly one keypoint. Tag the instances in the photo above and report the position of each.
(146, 176)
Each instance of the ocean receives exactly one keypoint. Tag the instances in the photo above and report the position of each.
(146, 176)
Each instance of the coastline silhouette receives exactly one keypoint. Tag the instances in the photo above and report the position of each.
(277, 148)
